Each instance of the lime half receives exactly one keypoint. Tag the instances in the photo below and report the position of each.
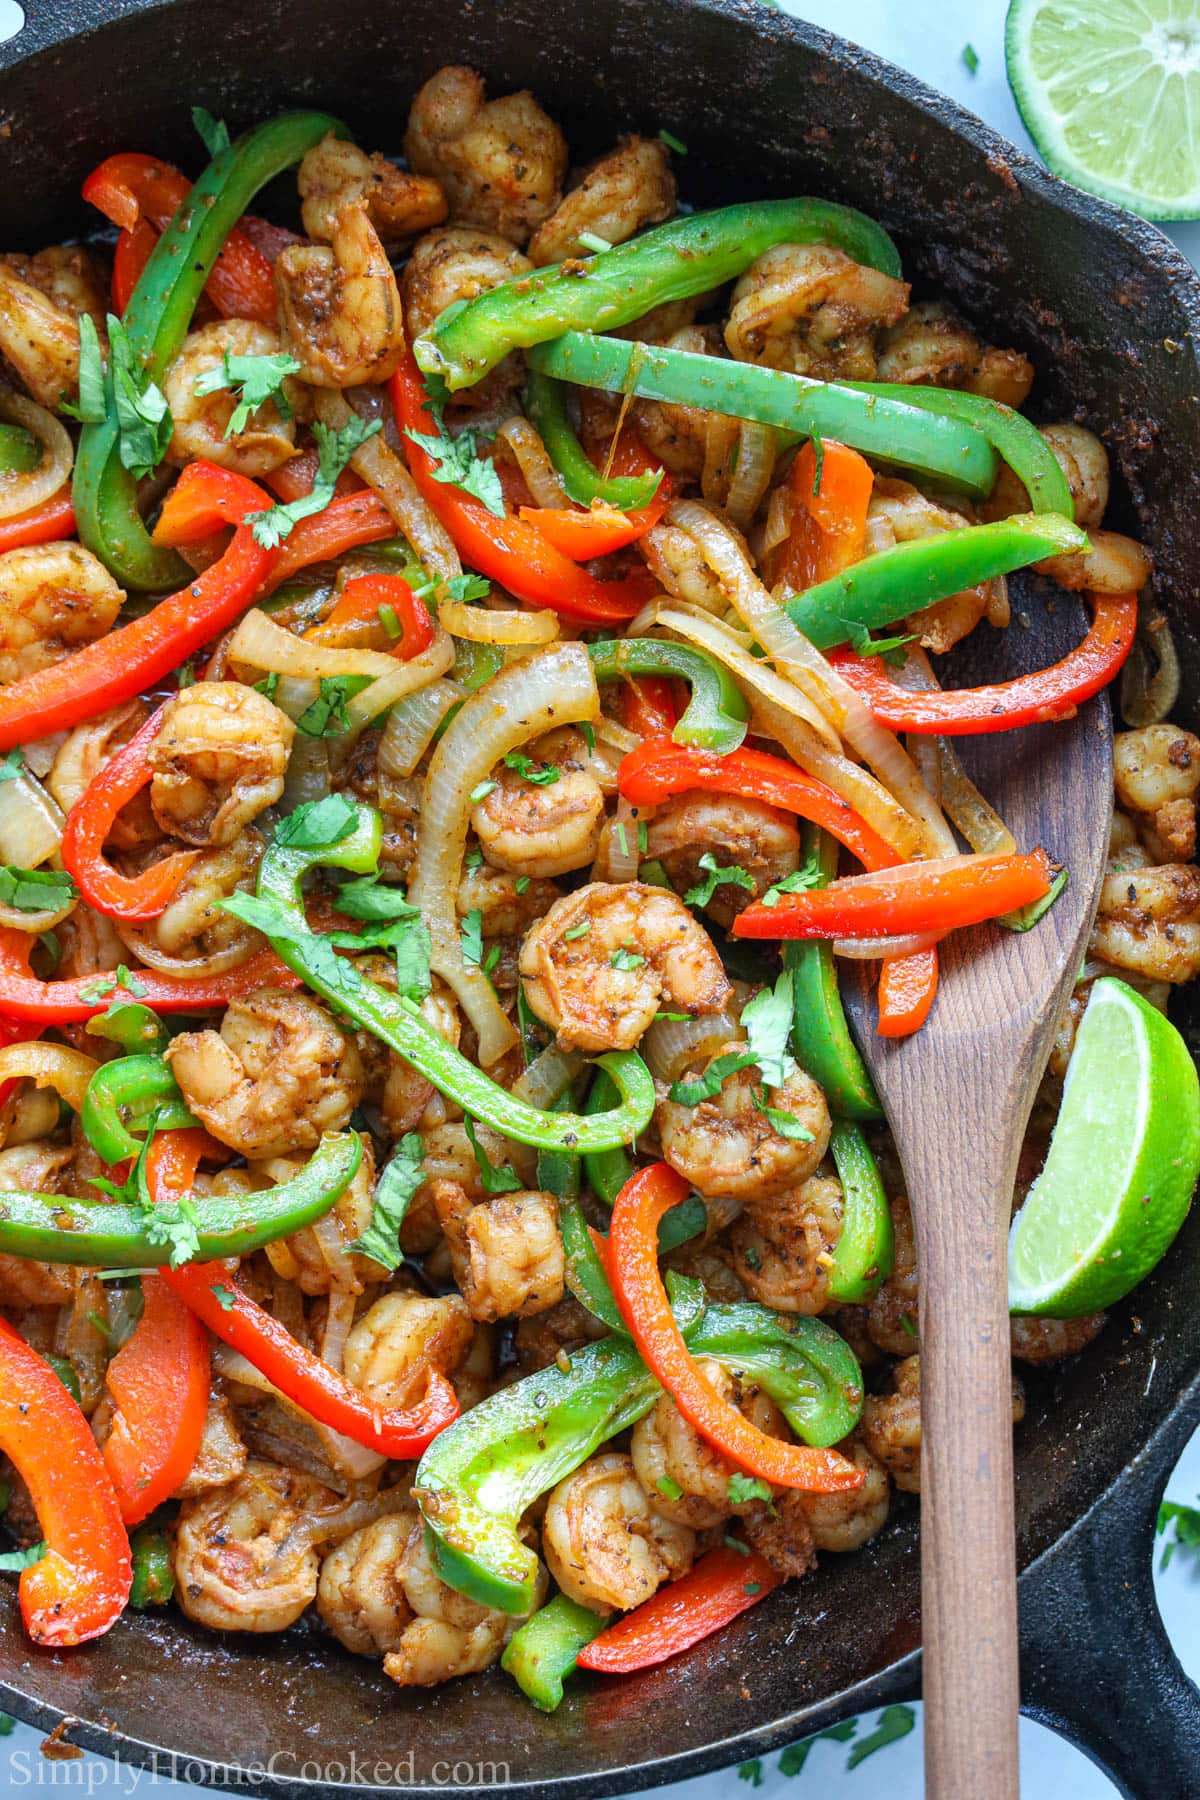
(1110, 91)
(1122, 1163)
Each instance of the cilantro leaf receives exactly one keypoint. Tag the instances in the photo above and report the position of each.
(14, 1560)
(1186, 1520)
(223, 1297)
(472, 936)
(626, 960)
(807, 876)
(13, 766)
(462, 467)
(214, 132)
(786, 1124)
(673, 143)
(715, 877)
(793, 1759)
(334, 450)
(327, 716)
(751, 1771)
(708, 1085)
(468, 587)
(177, 1223)
(669, 1488)
(742, 1488)
(370, 898)
(407, 937)
(767, 1022)
(144, 421)
(260, 379)
(35, 890)
(540, 775)
(970, 57)
(589, 736)
(863, 644)
(494, 1180)
(895, 1722)
(318, 824)
(394, 1190)
(92, 406)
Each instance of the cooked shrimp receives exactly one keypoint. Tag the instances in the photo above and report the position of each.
(619, 195)
(41, 298)
(812, 309)
(360, 1596)
(782, 1535)
(317, 1259)
(399, 1339)
(931, 346)
(456, 263)
(339, 308)
(507, 904)
(219, 760)
(234, 1567)
(201, 420)
(782, 1250)
(80, 758)
(448, 1635)
(221, 1456)
(547, 1336)
(669, 1453)
(542, 827)
(1149, 922)
(1157, 772)
(891, 1424)
(745, 834)
(679, 436)
(1112, 565)
(276, 1076)
(728, 1147)
(501, 163)
(35, 1168)
(193, 928)
(399, 204)
(675, 558)
(406, 1093)
(576, 964)
(506, 1251)
(1049, 1340)
(892, 1314)
(53, 598)
(899, 514)
(1083, 460)
(845, 1521)
(605, 1545)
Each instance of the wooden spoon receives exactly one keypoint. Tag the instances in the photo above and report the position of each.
(957, 1096)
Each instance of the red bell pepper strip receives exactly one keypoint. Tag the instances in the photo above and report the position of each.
(131, 189)
(159, 1381)
(115, 668)
(346, 523)
(648, 705)
(90, 822)
(238, 1321)
(715, 1590)
(295, 478)
(133, 251)
(599, 529)
(829, 517)
(361, 602)
(509, 550)
(660, 768)
(941, 895)
(44, 524)
(1050, 694)
(638, 1288)
(79, 1588)
(907, 989)
(23, 996)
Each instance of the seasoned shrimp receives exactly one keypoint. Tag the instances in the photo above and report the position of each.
(1149, 922)
(41, 298)
(405, 1093)
(237, 1566)
(339, 308)
(812, 309)
(507, 904)
(542, 827)
(193, 928)
(596, 998)
(783, 1536)
(219, 760)
(1157, 774)
(930, 345)
(317, 1259)
(892, 1313)
(746, 834)
(399, 204)
(668, 1453)
(899, 514)
(727, 1145)
(675, 558)
(1083, 460)
(783, 1249)
(201, 420)
(506, 1251)
(682, 437)
(447, 1635)
(891, 1424)
(501, 163)
(360, 1596)
(80, 758)
(276, 1076)
(1049, 1340)
(456, 263)
(400, 1338)
(35, 1168)
(53, 598)
(619, 195)
(604, 1543)
(845, 1521)
(547, 1336)
(1112, 565)
(221, 1456)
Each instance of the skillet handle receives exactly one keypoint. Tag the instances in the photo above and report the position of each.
(1096, 1663)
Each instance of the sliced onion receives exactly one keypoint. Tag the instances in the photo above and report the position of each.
(552, 687)
(344, 1456)
(308, 776)
(411, 725)
(751, 478)
(404, 678)
(618, 858)
(617, 737)
(339, 1313)
(140, 940)
(31, 823)
(19, 492)
(673, 1045)
(263, 644)
(754, 677)
(1150, 679)
(489, 625)
(978, 821)
(381, 468)
(871, 949)
(548, 1076)
(529, 453)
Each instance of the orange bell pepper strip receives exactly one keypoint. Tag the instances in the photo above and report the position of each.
(131, 190)
(44, 524)
(159, 1381)
(714, 1591)
(648, 705)
(582, 533)
(90, 822)
(907, 990)
(349, 521)
(638, 1289)
(362, 601)
(80, 1587)
(829, 517)
(941, 895)
(210, 1292)
(1047, 695)
(509, 550)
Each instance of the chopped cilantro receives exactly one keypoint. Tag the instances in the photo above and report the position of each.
(223, 1297)
(35, 890)
(541, 775)
(863, 644)
(318, 824)
(690, 1093)
(260, 379)
(1186, 1520)
(895, 1722)
(751, 1771)
(13, 766)
(673, 143)
(327, 716)
(715, 877)
(401, 930)
(793, 1759)
(785, 1124)
(467, 587)
(807, 876)
(472, 936)
(767, 1022)
(460, 466)
(493, 1179)
(214, 132)
(397, 1184)
(589, 736)
(92, 406)
(268, 685)
(370, 898)
(578, 931)
(175, 1222)
(144, 421)
(334, 450)
(626, 960)
(742, 1488)
(733, 1543)
(971, 57)
(491, 959)
(669, 1488)
(906, 1325)
(12, 1561)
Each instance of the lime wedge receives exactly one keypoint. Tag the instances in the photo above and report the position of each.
(1123, 1161)
(1110, 91)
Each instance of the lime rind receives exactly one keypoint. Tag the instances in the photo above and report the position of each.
(1122, 1164)
(1110, 93)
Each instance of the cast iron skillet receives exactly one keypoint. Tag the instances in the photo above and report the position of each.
(1109, 312)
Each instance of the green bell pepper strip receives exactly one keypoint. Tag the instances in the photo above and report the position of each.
(607, 1172)
(541, 1653)
(64, 1368)
(715, 716)
(20, 451)
(278, 910)
(546, 404)
(893, 583)
(157, 320)
(153, 1578)
(111, 1234)
(821, 1037)
(955, 454)
(686, 256)
(477, 1478)
(558, 1171)
(866, 1248)
(134, 1027)
(142, 1086)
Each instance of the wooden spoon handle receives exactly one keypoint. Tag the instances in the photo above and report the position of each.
(968, 1554)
